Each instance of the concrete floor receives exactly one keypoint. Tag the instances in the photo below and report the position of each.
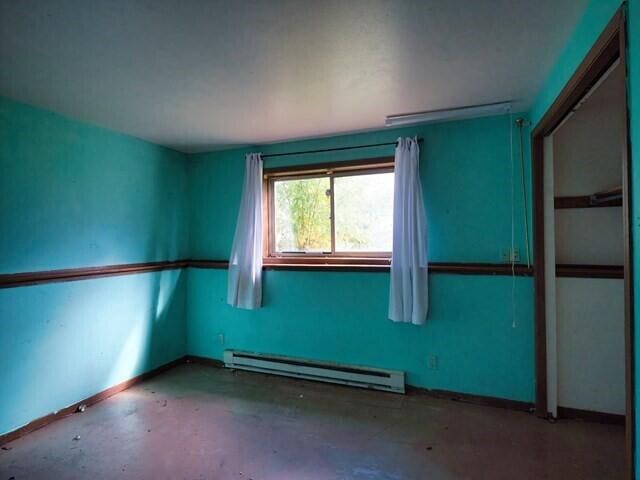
(201, 422)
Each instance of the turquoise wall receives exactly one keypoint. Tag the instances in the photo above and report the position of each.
(340, 316)
(63, 342)
(595, 18)
(74, 195)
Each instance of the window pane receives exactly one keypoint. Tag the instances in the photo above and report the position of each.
(302, 215)
(364, 212)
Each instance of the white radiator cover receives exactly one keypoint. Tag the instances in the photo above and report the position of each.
(356, 376)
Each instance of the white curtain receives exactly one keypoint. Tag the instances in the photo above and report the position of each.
(408, 293)
(245, 263)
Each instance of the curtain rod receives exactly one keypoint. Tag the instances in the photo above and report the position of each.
(269, 155)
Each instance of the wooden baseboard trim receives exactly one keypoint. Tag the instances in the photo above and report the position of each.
(482, 400)
(590, 416)
(211, 362)
(92, 400)
(443, 394)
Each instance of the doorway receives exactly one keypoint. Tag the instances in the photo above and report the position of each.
(584, 250)
(583, 275)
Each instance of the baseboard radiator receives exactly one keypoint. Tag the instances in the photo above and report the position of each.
(356, 376)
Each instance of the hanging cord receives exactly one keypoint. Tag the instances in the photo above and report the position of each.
(513, 223)
(521, 122)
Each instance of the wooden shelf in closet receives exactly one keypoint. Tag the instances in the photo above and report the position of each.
(607, 198)
(589, 271)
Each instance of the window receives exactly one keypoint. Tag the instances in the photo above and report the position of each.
(332, 210)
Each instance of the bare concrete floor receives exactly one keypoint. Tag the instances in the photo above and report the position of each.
(200, 422)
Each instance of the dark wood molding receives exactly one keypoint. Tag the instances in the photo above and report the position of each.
(483, 400)
(356, 264)
(584, 201)
(610, 46)
(628, 220)
(540, 328)
(215, 264)
(346, 165)
(343, 264)
(590, 416)
(590, 271)
(93, 399)
(10, 280)
(518, 269)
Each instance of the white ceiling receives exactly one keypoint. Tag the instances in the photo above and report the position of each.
(196, 75)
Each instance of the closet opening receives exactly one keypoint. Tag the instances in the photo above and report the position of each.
(582, 245)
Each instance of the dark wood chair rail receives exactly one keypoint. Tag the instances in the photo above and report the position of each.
(11, 280)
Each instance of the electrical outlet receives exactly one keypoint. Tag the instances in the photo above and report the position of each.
(433, 362)
(221, 338)
(509, 255)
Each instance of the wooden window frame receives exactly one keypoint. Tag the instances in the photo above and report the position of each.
(329, 170)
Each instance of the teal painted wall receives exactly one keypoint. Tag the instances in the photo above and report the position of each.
(342, 317)
(339, 316)
(595, 18)
(586, 32)
(74, 195)
(63, 342)
(465, 169)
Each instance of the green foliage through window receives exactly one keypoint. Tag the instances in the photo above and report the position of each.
(363, 213)
(303, 211)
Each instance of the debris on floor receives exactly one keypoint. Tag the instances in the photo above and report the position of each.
(81, 408)
(7, 448)
(374, 420)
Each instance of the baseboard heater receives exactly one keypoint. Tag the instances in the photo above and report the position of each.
(356, 376)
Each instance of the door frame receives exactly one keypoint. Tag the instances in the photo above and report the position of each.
(610, 46)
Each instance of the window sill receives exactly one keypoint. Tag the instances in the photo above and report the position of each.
(327, 263)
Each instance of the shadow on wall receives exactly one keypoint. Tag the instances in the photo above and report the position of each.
(67, 341)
